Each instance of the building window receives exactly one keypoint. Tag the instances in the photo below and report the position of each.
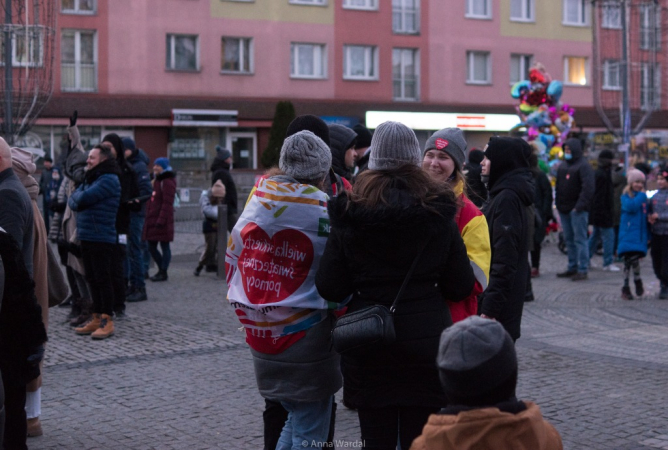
(650, 26)
(611, 16)
(519, 67)
(522, 10)
(27, 47)
(479, 68)
(650, 87)
(78, 61)
(236, 55)
(309, 2)
(182, 52)
(361, 4)
(406, 16)
(576, 71)
(78, 6)
(612, 75)
(308, 61)
(576, 12)
(360, 62)
(479, 9)
(406, 73)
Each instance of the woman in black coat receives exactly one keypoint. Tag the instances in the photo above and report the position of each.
(376, 233)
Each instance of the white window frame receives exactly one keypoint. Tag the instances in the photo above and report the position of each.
(36, 35)
(242, 56)
(369, 5)
(524, 65)
(610, 66)
(606, 22)
(470, 14)
(244, 134)
(524, 6)
(172, 47)
(415, 55)
(77, 63)
(645, 28)
(370, 63)
(470, 58)
(567, 82)
(308, 2)
(320, 60)
(583, 11)
(77, 9)
(654, 91)
(404, 10)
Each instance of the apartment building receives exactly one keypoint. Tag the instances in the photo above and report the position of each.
(182, 76)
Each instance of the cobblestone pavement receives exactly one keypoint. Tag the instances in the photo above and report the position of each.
(177, 374)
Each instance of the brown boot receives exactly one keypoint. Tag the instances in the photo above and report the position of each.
(106, 328)
(34, 427)
(90, 326)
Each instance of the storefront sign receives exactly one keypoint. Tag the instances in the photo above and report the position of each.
(204, 118)
(341, 120)
(436, 121)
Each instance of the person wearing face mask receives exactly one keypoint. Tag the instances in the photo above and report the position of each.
(574, 193)
(506, 171)
(443, 159)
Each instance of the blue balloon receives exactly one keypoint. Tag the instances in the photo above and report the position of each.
(555, 89)
(516, 90)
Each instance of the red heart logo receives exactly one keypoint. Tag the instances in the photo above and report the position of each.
(441, 143)
(273, 268)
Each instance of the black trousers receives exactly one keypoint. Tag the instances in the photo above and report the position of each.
(382, 428)
(98, 259)
(16, 427)
(659, 252)
(118, 277)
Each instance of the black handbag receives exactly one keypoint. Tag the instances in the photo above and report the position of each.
(369, 328)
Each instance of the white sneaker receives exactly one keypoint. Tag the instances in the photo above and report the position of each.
(611, 268)
(594, 265)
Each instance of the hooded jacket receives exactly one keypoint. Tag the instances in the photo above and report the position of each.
(139, 161)
(633, 226)
(16, 213)
(96, 201)
(75, 164)
(603, 204)
(129, 186)
(360, 260)
(575, 181)
(221, 171)
(159, 223)
(341, 139)
(489, 428)
(511, 193)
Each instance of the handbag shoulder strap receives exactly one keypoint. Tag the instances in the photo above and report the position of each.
(408, 276)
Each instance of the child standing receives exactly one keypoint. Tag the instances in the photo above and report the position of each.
(208, 203)
(633, 231)
(659, 219)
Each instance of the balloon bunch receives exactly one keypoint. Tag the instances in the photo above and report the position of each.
(547, 121)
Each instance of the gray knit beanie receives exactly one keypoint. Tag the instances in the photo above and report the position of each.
(305, 157)
(476, 358)
(451, 141)
(392, 145)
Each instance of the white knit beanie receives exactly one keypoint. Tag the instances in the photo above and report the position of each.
(394, 144)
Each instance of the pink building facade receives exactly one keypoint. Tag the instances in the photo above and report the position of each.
(182, 76)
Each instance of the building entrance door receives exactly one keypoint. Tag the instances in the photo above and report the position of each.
(244, 149)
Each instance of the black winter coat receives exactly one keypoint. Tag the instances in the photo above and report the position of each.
(575, 182)
(603, 205)
(368, 254)
(129, 191)
(507, 214)
(543, 202)
(221, 171)
(477, 191)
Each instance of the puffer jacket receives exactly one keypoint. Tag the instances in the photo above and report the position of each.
(139, 161)
(603, 205)
(575, 181)
(159, 223)
(489, 428)
(633, 225)
(359, 261)
(96, 201)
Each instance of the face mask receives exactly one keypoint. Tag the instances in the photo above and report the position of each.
(568, 156)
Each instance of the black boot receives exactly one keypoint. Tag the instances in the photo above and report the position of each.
(160, 276)
(139, 295)
(663, 294)
(86, 310)
(197, 271)
(76, 308)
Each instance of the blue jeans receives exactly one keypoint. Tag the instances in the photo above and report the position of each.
(135, 259)
(162, 261)
(308, 422)
(574, 225)
(608, 237)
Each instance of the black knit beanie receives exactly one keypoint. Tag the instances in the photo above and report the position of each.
(311, 123)
(118, 146)
(363, 136)
(477, 363)
(476, 156)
